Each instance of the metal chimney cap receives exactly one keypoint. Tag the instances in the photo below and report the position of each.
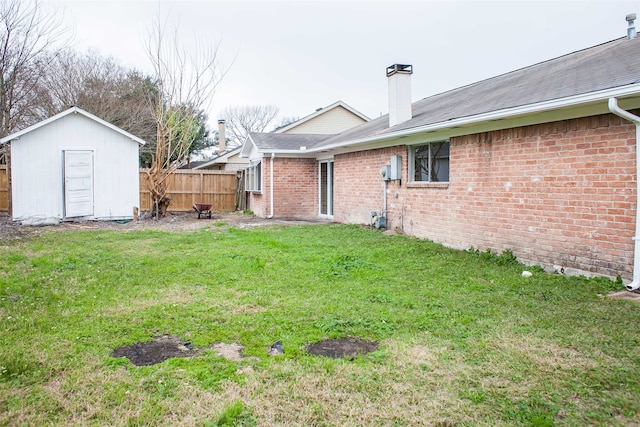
(399, 69)
(221, 121)
(631, 31)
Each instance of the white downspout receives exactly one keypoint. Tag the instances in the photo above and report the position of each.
(613, 107)
(273, 155)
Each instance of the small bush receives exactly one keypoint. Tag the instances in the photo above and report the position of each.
(505, 258)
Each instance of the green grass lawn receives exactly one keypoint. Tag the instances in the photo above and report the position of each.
(465, 340)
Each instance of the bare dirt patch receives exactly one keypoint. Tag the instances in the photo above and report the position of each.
(342, 347)
(167, 346)
(12, 231)
(627, 295)
(173, 222)
(156, 351)
(231, 351)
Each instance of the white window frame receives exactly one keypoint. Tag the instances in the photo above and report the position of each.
(253, 179)
(431, 161)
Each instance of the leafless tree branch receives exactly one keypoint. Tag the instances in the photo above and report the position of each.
(187, 81)
(241, 120)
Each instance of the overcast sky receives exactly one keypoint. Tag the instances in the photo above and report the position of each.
(302, 55)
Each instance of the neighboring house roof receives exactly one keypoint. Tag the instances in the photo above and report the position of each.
(72, 110)
(319, 112)
(292, 138)
(221, 158)
(193, 165)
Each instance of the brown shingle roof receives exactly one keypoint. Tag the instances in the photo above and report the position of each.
(609, 65)
(606, 66)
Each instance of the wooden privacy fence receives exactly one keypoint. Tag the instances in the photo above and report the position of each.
(187, 186)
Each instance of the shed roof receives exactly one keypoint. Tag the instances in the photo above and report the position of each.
(72, 110)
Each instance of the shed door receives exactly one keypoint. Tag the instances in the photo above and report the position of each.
(78, 183)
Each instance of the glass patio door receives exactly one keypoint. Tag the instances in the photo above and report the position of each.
(326, 188)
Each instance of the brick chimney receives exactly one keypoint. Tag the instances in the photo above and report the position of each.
(399, 77)
(222, 140)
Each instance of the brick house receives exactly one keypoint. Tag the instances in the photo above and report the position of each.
(541, 161)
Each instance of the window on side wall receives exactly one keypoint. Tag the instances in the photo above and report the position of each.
(430, 162)
(254, 177)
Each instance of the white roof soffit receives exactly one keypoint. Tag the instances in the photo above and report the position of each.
(573, 101)
(71, 110)
(245, 151)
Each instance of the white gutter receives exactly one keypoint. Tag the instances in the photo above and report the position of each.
(273, 155)
(540, 107)
(592, 97)
(613, 107)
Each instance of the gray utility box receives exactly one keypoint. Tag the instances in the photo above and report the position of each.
(396, 168)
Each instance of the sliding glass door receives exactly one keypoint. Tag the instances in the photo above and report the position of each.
(326, 188)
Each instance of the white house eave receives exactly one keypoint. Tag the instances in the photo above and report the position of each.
(540, 107)
(245, 151)
(71, 110)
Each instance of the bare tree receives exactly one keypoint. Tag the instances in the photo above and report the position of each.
(101, 86)
(87, 80)
(27, 39)
(241, 120)
(186, 81)
(286, 121)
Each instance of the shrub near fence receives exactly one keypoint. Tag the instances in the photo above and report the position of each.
(187, 187)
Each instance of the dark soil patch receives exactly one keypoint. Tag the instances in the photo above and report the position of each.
(166, 347)
(156, 351)
(342, 347)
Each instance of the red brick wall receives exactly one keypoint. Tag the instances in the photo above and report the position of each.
(561, 193)
(259, 202)
(295, 189)
(358, 185)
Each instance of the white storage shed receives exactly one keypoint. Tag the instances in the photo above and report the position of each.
(74, 166)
